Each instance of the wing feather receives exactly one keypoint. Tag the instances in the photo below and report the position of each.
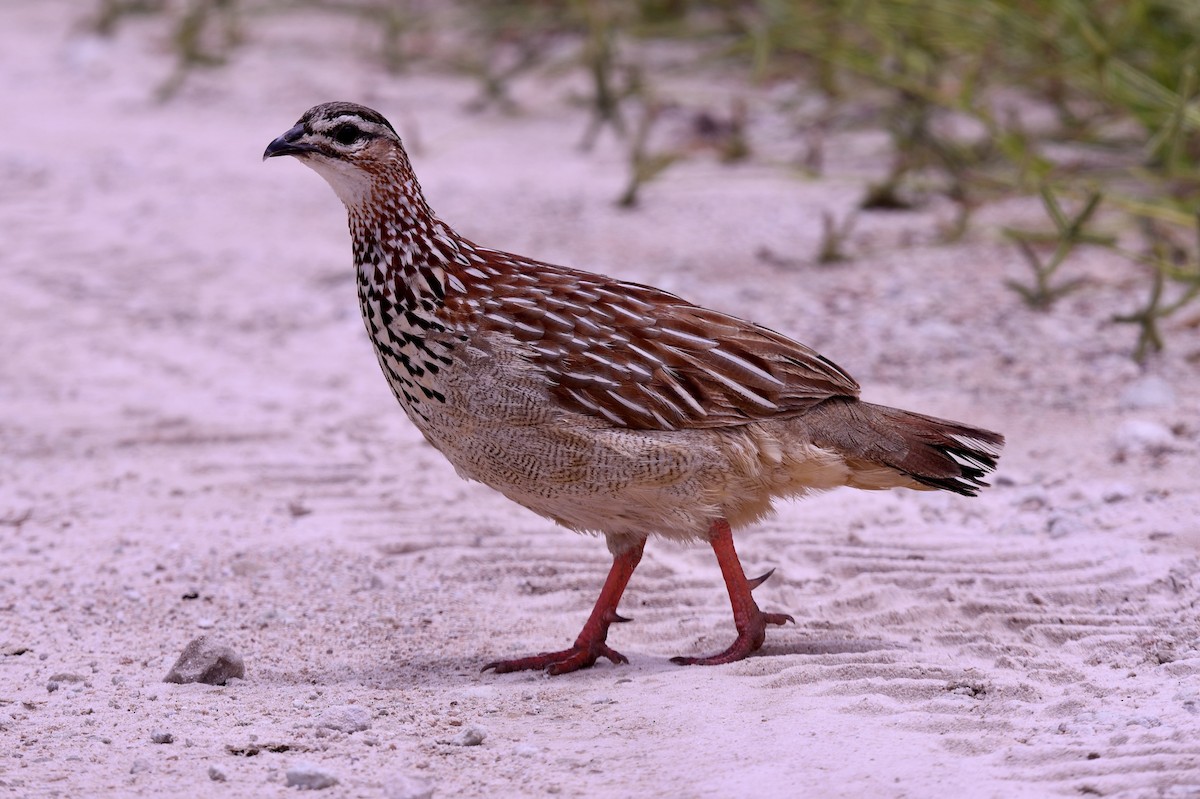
(642, 358)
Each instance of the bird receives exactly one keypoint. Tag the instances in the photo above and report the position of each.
(610, 407)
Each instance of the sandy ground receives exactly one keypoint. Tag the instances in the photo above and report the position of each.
(195, 439)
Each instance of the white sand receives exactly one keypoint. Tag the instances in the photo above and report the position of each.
(189, 406)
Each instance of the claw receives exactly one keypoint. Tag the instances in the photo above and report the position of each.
(750, 621)
(762, 578)
(590, 644)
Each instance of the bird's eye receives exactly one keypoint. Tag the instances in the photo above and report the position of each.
(347, 134)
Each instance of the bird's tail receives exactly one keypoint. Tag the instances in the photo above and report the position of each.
(930, 452)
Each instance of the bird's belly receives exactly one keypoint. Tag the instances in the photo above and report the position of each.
(491, 414)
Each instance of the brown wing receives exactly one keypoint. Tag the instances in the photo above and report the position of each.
(645, 359)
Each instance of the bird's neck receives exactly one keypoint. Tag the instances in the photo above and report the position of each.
(405, 255)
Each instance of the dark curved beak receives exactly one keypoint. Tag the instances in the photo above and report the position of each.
(288, 144)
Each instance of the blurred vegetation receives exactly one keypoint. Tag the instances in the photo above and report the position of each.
(1089, 104)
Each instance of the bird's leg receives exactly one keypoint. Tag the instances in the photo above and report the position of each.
(590, 644)
(750, 621)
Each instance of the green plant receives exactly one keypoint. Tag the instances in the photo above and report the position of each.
(644, 165)
(1169, 264)
(1069, 233)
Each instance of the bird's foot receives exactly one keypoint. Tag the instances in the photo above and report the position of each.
(590, 645)
(579, 656)
(752, 631)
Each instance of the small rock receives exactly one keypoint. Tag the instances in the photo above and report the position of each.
(345, 718)
(56, 681)
(471, 736)
(139, 766)
(1150, 391)
(1142, 437)
(405, 786)
(1063, 526)
(206, 660)
(1116, 492)
(310, 777)
(216, 775)
(161, 737)
(63, 676)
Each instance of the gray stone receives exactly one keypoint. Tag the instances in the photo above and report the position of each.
(1142, 437)
(345, 718)
(405, 786)
(1063, 526)
(161, 737)
(208, 661)
(1150, 391)
(310, 777)
(471, 736)
(216, 775)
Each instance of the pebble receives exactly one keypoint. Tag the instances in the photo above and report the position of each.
(1150, 391)
(161, 737)
(1112, 493)
(405, 786)
(471, 736)
(1142, 437)
(206, 660)
(139, 766)
(345, 718)
(310, 777)
(55, 682)
(216, 775)
(1063, 526)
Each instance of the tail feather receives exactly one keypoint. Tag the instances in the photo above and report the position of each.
(937, 453)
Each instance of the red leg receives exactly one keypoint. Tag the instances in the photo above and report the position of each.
(590, 644)
(750, 621)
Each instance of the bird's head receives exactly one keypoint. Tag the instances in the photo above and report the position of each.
(349, 145)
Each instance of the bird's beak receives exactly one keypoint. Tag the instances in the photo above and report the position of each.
(288, 144)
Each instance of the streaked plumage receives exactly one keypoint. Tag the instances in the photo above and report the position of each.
(608, 406)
